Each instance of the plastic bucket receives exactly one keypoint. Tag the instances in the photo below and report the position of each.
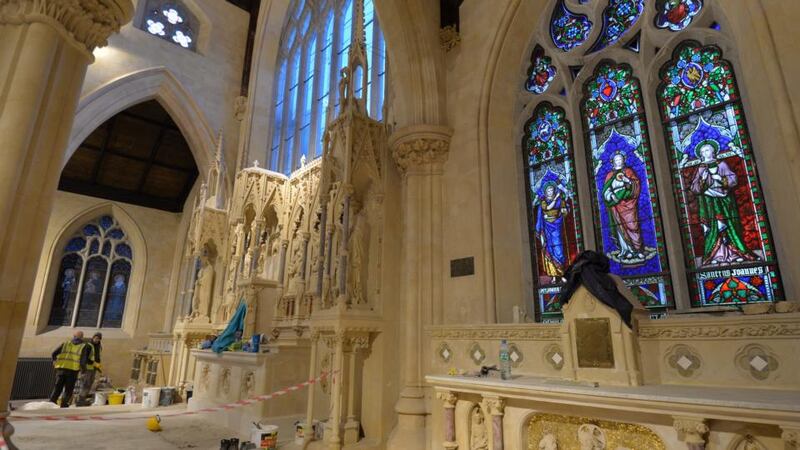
(150, 397)
(100, 398)
(115, 398)
(266, 437)
(167, 396)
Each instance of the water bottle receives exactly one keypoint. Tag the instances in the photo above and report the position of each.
(505, 361)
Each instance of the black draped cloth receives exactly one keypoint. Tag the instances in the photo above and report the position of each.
(591, 269)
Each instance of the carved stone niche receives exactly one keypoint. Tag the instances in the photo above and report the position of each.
(599, 346)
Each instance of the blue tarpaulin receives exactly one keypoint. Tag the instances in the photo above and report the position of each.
(228, 335)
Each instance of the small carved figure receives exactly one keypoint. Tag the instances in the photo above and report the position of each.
(548, 442)
(249, 384)
(204, 372)
(479, 439)
(262, 259)
(591, 437)
(225, 382)
(357, 248)
(203, 289)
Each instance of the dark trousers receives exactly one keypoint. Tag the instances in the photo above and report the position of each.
(65, 380)
(86, 382)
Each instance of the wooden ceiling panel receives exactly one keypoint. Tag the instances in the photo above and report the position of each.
(138, 156)
(133, 136)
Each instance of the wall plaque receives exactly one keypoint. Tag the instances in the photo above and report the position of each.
(593, 342)
(462, 267)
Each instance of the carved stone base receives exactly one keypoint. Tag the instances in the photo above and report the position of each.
(351, 432)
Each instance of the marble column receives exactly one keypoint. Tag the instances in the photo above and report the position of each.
(45, 48)
(420, 152)
(449, 400)
(495, 408)
(692, 431)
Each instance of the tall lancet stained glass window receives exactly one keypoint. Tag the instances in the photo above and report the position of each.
(314, 48)
(627, 217)
(728, 246)
(87, 293)
(553, 203)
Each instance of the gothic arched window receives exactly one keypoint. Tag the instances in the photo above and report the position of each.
(596, 58)
(170, 20)
(314, 48)
(93, 277)
(727, 244)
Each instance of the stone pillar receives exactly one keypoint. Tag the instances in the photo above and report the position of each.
(323, 222)
(449, 399)
(692, 431)
(334, 435)
(45, 48)
(419, 151)
(312, 374)
(282, 264)
(495, 408)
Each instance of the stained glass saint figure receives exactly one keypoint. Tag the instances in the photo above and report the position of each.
(550, 231)
(621, 190)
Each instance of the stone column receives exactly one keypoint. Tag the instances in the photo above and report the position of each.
(45, 48)
(322, 242)
(420, 152)
(449, 399)
(312, 374)
(334, 439)
(495, 408)
(692, 431)
(282, 264)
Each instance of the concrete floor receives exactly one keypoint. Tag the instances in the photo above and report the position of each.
(193, 432)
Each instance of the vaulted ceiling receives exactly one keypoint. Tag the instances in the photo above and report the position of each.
(139, 156)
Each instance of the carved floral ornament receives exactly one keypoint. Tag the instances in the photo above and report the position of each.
(86, 23)
(720, 331)
(540, 332)
(420, 145)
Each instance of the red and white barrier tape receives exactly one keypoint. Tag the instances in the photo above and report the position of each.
(225, 407)
(3, 445)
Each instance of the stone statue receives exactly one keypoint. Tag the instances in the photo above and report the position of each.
(591, 437)
(225, 382)
(478, 439)
(262, 259)
(248, 261)
(237, 236)
(249, 384)
(203, 289)
(297, 260)
(548, 442)
(204, 373)
(358, 246)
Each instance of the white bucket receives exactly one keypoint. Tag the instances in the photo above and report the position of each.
(150, 397)
(266, 437)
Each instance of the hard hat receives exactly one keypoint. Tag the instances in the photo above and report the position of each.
(154, 423)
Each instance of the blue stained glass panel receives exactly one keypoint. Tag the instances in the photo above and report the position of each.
(116, 233)
(92, 292)
(107, 248)
(567, 29)
(106, 222)
(618, 17)
(124, 250)
(91, 230)
(69, 273)
(75, 244)
(116, 293)
(94, 247)
(541, 72)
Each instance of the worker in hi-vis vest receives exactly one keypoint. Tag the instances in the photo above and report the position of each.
(69, 359)
(94, 366)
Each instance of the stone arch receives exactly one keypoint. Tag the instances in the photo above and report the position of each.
(52, 257)
(154, 83)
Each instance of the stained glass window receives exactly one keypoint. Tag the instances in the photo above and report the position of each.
(568, 29)
(676, 15)
(91, 295)
(556, 230)
(541, 72)
(171, 21)
(728, 246)
(314, 47)
(618, 17)
(627, 218)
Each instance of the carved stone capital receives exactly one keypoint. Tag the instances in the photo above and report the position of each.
(448, 397)
(420, 145)
(85, 23)
(791, 436)
(691, 430)
(494, 406)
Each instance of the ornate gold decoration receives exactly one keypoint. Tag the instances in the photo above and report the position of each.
(564, 431)
(420, 145)
(757, 360)
(531, 332)
(86, 23)
(684, 359)
(593, 342)
(449, 37)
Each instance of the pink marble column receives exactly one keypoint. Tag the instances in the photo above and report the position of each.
(449, 418)
(495, 407)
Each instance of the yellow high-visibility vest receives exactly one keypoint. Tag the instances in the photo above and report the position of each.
(70, 356)
(91, 364)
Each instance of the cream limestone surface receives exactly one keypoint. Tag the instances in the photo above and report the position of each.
(146, 304)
